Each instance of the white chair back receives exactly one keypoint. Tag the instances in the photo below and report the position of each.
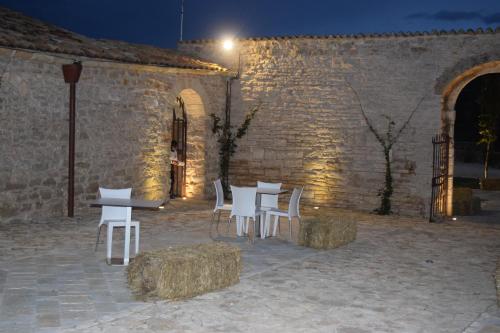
(293, 206)
(243, 201)
(114, 213)
(219, 191)
(268, 200)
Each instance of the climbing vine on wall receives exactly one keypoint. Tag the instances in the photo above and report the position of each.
(227, 138)
(387, 141)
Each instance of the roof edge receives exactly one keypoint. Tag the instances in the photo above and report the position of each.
(477, 31)
(82, 57)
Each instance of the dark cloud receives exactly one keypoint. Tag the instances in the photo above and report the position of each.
(453, 16)
(420, 15)
(493, 18)
(445, 15)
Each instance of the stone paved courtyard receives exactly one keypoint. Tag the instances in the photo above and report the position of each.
(400, 275)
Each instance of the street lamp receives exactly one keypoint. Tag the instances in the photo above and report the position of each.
(228, 45)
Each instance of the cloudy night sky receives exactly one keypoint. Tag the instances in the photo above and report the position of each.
(156, 22)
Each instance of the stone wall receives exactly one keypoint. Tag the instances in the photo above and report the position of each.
(310, 130)
(124, 115)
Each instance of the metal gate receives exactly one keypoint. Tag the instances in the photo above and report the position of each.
(179, 134)
(439, 198)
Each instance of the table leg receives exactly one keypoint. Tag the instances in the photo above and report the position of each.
(126, 252)
(257, 218)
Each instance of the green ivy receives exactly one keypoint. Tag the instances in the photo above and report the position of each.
(227, 141)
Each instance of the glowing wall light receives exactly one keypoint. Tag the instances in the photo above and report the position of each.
(228, 44)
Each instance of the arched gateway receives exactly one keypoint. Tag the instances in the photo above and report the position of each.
(196, 130)
(450, 94)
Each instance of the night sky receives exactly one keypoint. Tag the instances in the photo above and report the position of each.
(156, 22)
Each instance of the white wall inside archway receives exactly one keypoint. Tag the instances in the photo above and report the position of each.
(196, 140)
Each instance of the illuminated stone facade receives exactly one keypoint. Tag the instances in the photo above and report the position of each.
(123, 132)
(310, 130)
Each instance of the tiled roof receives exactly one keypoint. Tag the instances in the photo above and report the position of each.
(23, 32)
(477, 31)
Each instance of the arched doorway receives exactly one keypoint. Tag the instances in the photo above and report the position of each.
(195, 182)
(451, 94)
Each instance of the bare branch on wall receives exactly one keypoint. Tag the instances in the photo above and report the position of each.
(387, 141)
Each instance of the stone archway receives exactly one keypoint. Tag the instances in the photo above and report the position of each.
(450, 95)
(196, 134)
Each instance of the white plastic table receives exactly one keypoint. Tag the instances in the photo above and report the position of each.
(260, 191)
(130, 204)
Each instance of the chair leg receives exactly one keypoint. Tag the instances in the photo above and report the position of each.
(109, 243)
(247, 220)
(218, 220)
(290, 228)
(229, 223)
(276, 224)
(137, 238)
(254, 230)
(98, 234)
(263, 226)
(211, 223)
(268, 225)
(238, 226)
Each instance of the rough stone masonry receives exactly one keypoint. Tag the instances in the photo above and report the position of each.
(310, 130)
(124, 116)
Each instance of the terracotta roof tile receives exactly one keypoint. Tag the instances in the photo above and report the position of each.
(23, 32)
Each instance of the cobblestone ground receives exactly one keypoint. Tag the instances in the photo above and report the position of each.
(400, 275)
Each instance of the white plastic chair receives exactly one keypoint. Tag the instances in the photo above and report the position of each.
(293, 211)
(115, 217)
(219, 204)
(244, 207)
(267, 202)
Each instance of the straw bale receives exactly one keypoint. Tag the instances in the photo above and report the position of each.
(327, 232)
(497, 281)
(184, 271)
(464, 203)
(490, 184)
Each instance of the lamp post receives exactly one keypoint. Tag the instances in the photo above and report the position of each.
(228, 46)
(71, 74)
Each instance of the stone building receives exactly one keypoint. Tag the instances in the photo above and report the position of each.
(124, 102)
(309, 129)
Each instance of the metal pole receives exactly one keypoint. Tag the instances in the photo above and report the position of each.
(71, 157)
(71, 75)
(182, 17)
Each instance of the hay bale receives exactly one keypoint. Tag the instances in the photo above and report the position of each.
(464, 203)
(497, 281)
(490, 184)
(327, 232)
(184, 271)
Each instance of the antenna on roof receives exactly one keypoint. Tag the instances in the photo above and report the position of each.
(182, 17)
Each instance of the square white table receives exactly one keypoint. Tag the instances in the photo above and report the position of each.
(260, 191)
(129, 204)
